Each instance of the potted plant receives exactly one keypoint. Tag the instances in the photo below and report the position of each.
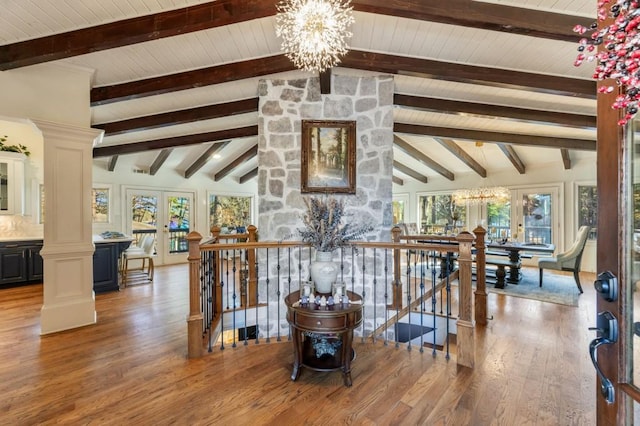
(20, 149)
(324, 230)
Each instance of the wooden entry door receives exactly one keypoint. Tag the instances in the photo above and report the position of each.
(618, 166)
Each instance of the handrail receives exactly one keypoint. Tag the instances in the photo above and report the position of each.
(460, 244)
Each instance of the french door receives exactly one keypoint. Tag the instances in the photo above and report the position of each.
(534, 215)
(166, 215)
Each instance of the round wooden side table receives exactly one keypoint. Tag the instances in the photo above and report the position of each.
(323, 335)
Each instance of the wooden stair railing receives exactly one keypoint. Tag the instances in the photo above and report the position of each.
(461, 244)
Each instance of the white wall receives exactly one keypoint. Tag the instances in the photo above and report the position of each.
(583, 171)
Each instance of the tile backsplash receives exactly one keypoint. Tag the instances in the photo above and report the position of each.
(19, 226)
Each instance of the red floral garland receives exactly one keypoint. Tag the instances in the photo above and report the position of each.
(621, 58)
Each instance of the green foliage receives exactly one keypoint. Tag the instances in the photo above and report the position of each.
(324, 229)
(21, 149)
(229, 211)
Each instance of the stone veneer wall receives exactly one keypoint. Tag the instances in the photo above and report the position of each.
(283, 104)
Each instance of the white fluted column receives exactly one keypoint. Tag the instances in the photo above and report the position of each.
(69, 300)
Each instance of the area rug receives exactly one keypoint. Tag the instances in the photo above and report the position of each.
(556, 288)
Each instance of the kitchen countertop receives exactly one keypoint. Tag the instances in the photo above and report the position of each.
(23, 238)
(97, 239)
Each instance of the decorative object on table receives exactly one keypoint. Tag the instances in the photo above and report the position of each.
(19, 148)
(620, 60)
(109, 235)
(324, 271)
(307, 289)
(339, 290)
(314, 33)
(328, 158)
(324, 230)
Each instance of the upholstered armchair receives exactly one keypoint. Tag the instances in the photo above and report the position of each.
(568, 260)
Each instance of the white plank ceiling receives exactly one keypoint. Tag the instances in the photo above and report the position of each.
(29, 19)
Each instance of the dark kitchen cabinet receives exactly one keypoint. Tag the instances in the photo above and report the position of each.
(20, 262)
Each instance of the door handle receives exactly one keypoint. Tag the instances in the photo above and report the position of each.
(607, 329)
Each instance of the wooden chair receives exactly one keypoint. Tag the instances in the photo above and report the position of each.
(145, 253)
(568, 260)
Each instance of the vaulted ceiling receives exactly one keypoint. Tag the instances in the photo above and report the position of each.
(480, 85)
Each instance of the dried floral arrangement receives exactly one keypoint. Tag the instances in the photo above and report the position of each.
(620, 58)
(20, 149)
(324, 229)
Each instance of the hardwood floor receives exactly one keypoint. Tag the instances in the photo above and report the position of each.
(131, 368)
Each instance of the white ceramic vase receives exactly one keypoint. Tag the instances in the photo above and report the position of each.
(324, 272)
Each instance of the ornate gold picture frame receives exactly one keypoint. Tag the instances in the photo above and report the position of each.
(328, 156)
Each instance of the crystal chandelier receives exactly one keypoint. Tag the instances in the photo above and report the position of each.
(496, 194)
(314, 32)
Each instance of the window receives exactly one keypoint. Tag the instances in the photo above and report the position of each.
(100, 205)
(229, 212)
(398, 212)
(588, 208)
(399, 208)
(439, 214)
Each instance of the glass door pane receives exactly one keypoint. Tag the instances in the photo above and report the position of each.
(632, 349)
(143, 214)
(179, 211)
(4, 186)
(535, 216)
(498, 221)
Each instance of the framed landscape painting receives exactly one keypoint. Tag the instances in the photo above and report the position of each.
(328, 156)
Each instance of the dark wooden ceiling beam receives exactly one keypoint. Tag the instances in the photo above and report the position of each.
(204, 158)
(462, 155)
(483, 15)
(483, 110)
(159, 161)
(409, 149)
(135, 30)
(325, 82)
(354, 59)
(178, 141)
(429, 68)
(241, 159)
(566, 159)
(397, 180)
(173, 118)
(248, 176)
(513, 157)
(409, 172)
(112, 163)
(512, 138)
(225, 12)
(190, 79)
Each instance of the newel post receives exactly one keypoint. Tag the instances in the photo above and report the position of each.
(215, 232)
(465, 324)
(481, 313)
(252, 284)
(396, 231)
(195, 318)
